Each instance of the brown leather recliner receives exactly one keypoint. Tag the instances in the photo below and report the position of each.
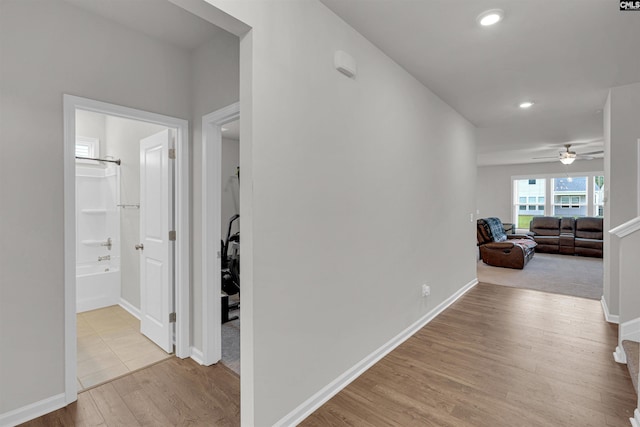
(500, 249)
(546, 232)
(589, 237)
(569, 236)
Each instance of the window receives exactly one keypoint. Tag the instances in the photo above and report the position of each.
(561, 196)
(528, 193)
(87, 147)
(570, 196)
(598, 195)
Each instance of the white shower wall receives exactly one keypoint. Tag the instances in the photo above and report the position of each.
(97, 221)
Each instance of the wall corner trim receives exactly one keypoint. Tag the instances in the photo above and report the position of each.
(307, 407)
(619, 356)
(197, 356)
(135, 312)
(34, 410)
(611, 318)
(635, 421)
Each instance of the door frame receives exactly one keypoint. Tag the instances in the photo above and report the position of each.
(211, 222)
(181, 220)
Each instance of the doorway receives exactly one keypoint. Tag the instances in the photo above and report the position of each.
(150, 189)
(214, 180)
(115, 334)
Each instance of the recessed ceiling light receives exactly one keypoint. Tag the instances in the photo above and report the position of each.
(224, 129)
(490, 17)
(526, 104)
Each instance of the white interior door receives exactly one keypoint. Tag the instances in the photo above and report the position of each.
(156, 249)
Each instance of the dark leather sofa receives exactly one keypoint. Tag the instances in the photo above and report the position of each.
(580, 236)
(500, 249)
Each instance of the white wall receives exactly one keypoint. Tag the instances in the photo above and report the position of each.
(214, 85)
(230, 202)
(622, 130)
(49, 47)
(494, 189)
(364, 195)
(123, 142)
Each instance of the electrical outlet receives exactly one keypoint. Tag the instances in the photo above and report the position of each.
(471, 217)
(426, 290)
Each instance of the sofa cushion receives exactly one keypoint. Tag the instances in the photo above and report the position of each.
(588, 243)
(589, 228)
(548, 240)
(545, 226)
(527, 243)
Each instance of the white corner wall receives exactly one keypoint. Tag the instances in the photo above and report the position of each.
(622, 130)
(48, 48)
(494, 191)
(360, 190)
(215, 84)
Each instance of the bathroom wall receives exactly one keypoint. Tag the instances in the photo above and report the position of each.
(120, 139)
(230, 203)
(123, 142)
(91, 125)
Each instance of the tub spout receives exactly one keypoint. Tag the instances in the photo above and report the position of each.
(108, 243)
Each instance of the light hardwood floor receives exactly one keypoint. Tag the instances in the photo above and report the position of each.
(171, 393)
(498, 357)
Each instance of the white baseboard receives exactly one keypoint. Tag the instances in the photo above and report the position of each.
(307, 407)
(197, 355)
(611, 318)
(630, 331)
(135, 312)
(619, 355)
(635, 421)
(34, 410)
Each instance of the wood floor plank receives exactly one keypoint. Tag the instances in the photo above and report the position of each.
(165, 394)
(112, 407)
(497, 357)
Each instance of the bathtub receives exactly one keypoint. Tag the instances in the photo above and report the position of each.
(97, 285)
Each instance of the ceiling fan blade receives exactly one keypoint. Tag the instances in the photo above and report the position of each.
(548, 157)
(583, 157)
(592, 152)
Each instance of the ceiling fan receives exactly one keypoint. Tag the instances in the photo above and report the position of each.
(567, 157)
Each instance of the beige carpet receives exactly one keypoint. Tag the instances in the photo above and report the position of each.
(560, 274)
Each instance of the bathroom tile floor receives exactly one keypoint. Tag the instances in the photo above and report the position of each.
(110, 345)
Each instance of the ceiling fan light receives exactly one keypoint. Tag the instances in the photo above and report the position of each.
(567, 160)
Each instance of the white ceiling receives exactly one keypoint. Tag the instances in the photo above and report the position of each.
(159, 19)
(562, 54)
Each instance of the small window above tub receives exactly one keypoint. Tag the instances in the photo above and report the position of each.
(87, 147)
